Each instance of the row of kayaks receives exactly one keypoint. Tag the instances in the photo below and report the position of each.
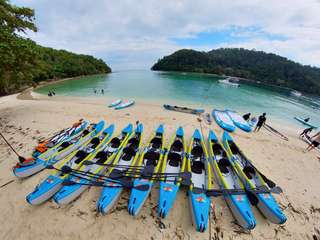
(90, 156)
(119, 104)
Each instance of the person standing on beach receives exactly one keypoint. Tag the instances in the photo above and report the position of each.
(315, 142)
(102, 91)
(261, 122)
(306, 131)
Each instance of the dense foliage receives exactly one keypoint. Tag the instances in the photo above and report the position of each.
(256, 65)
(23, 62)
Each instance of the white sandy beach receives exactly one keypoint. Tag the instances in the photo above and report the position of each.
(25, 121)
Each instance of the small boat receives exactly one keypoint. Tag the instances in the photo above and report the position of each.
(183, 109)
(228, 179)
(223, 120)
(239, 121)
(253, 179)
(173, 163)
(296, 93)
(201, 181)
(121, 170)
(81, 180)
(115, 103)
(57, 153)
(304, 122)
(53, 183)
(229, 82)
(124, 105)
(150, 161)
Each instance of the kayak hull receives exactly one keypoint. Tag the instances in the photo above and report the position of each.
(137, 197)
(45, 190)
(167, 196)
(270, 209)
(200, 207)
(227, 124)
(184, 109)
(27, 171)
(239, 121)
(124, 105)
(108, 198)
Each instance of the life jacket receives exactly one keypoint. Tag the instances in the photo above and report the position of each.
(42, 147)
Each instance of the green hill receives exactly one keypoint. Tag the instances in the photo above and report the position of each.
(24, 63)
(267, 68)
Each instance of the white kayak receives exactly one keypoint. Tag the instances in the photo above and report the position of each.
(124, 105)
(115, 103)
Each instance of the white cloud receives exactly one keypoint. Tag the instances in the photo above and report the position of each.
(134, 34)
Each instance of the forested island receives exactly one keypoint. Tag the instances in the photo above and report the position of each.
(264, 67)
(24, 63)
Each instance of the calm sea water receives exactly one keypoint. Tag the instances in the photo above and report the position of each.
(197, 90)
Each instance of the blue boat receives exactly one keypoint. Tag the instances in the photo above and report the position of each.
(252, 179)
(173, 163)
(223, 120)
(239, 121)
(228, 179)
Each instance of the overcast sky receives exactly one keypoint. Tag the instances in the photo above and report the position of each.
(134, 34)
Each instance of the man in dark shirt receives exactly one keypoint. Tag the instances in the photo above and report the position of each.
(261, 121)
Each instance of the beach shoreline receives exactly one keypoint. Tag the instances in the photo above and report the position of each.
(30, 116)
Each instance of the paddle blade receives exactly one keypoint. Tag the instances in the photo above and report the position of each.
(68, 182)
(252, 198)
(87, 162)
(21, 159)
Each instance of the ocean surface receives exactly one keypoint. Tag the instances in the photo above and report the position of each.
(191, 89)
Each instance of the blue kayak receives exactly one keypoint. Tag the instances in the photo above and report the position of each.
(201, 180)
(228, 179)
(105, 155)
(173, 163)
(223, 120)
(252, 179)
(126, 158)
(305, 123)
(239, 121)
(150, 160)
(184, 109)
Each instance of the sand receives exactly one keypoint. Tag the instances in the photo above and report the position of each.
(30, 117)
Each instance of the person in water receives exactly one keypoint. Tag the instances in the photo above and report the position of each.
(306, 131)
(306, 120)
(246, 116)
(95, 91)
(261, 121)
(315, 142)
(102, 91)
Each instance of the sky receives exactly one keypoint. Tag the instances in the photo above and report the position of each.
(130, 34)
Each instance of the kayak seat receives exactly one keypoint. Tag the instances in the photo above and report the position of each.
(223, 164)
(129, 152)
(133, 142)
(151, 158)
(156, 142)
(217, 149)
(249, 171)
(85, 132)
(80, 155)
(233, 147)
(174, 159)
(177, 146)
(101, 156)
(197, 167)
(115, 142)
(95, 142)
(197, 151)
(65, 145)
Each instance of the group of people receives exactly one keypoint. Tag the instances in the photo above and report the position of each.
(96, 91)
(51, 93)
(261, 120)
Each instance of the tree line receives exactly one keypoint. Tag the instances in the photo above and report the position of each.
(25, 63)
(267, 68)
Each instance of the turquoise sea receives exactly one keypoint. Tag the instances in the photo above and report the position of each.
(190, 89)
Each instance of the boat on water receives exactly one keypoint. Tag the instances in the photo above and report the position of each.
(295, 93)
(230, 81)
(183, 109)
